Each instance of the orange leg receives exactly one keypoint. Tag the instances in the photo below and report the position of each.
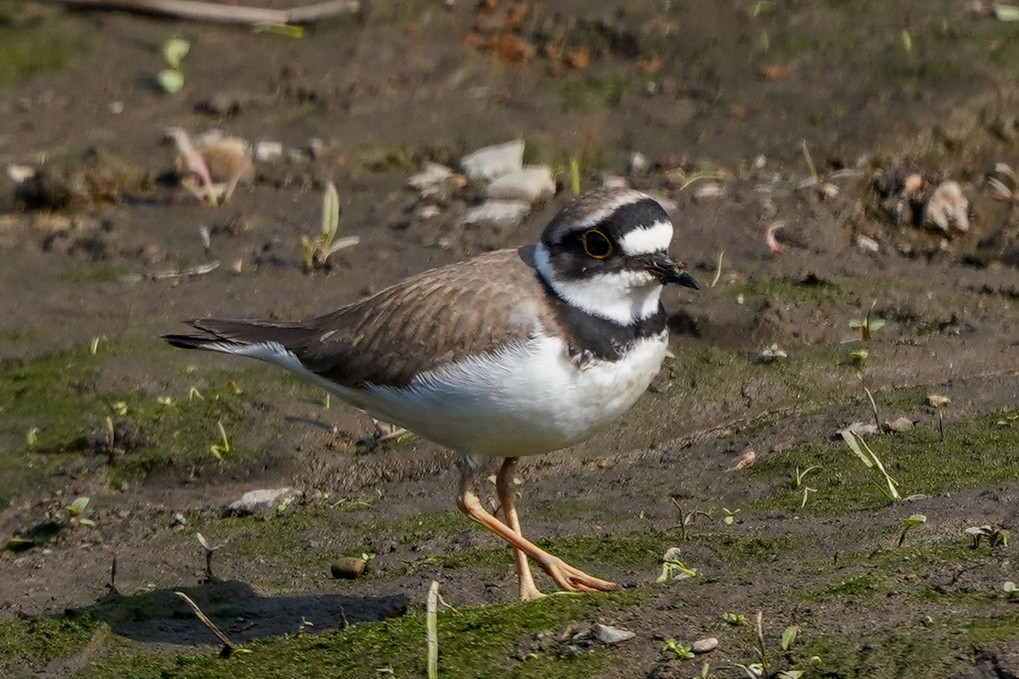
(504, 484)
(565, 576)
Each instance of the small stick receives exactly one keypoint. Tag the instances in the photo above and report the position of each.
(225, 14)
(432, 630)
(941, 425)
(228, 646)
(682, 519)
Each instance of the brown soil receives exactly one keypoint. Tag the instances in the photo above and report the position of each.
(695, 91)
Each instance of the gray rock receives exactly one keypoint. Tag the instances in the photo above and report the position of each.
(261, 501)
(491, 162)
(530, 185)
(498, 212)
(612, 635)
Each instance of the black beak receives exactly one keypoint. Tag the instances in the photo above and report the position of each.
(668, 271)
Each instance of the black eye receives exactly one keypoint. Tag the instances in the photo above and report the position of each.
(597, 244)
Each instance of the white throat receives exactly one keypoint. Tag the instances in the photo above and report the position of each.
(622, 297)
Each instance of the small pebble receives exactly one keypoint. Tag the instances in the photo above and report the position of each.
(639, 163)
(901, 424)
(529, 185)
(704, 645)
(499, 212)
(947, 209)
(267, 151)
(491, 162)
(867, 244)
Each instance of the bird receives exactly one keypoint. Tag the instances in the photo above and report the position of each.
(511, 353)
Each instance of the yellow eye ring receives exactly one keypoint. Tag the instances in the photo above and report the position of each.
(596, 244)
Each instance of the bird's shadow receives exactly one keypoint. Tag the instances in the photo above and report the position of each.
(160, 616)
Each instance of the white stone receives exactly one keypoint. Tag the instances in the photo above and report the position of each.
(429, 175)
(259, 501)
(499, 212)
(267, 151)
(427, 212)
(704, 645)
(948, 208)
(530, 185)
(866, 243)
(639, 164)
(491, 162)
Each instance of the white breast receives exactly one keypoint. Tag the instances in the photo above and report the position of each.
(524, 400)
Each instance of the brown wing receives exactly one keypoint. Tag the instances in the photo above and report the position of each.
(419, 324)
(426, 321)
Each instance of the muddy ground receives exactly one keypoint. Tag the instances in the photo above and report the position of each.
(839, 120)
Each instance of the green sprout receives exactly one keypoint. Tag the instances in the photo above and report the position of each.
(221, 449)
(575, 175)
(172, 79)
(911, 522)
(730, 515)
(865, 327)
(32, 437)
(679, 649)
(789, 637)
(673, 568)
(75, 510)
(316, 253)
(872, 461)
(807, 490)
(734, 618)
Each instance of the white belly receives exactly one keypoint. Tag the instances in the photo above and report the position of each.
(523, 400)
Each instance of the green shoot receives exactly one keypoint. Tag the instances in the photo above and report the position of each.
(734, 618)
(1010, 589)
(32, 437)
(575, 175)
(911, 522)
(730, 515)
(172, 79)
(78, 506)
(316, 253)
(802, 475)
(871, 461)
(673, 568)
(867, 326)
(789, 637)
(679, 649)
(219, 450)
(286, 30)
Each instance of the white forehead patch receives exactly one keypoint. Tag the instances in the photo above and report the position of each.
(606, 208)
(647, 240)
